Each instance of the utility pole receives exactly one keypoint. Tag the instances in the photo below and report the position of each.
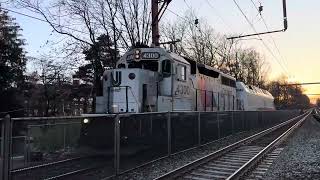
(155, 22)
(156, 14)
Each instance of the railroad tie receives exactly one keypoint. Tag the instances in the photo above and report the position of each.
(263, 167)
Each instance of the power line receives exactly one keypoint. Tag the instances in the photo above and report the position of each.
(255, 30)
(274, 42)
(219, 16)
(187, 4)
(42, 20)
(178, 15)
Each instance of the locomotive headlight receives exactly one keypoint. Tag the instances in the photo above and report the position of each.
(137, 53)
(86, 121)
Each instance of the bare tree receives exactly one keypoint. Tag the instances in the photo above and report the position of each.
(201, 43)
(85, 23)
(128, 22)
(49, 80)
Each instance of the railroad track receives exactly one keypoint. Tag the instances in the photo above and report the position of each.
(249, 158)
(59, 169)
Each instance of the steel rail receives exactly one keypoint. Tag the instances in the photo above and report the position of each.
(193, 165)
(255, 160)
(73, 173)
(50, 164)
(62, 175)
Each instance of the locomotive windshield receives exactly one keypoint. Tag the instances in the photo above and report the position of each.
(149, 65)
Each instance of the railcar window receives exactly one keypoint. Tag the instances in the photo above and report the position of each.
(228, 82)
(224, 80)
(166, 68)
(233, 83)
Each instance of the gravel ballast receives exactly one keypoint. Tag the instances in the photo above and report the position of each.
(300, 158)
(168, 164)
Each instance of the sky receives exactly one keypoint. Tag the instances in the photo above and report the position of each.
(296, 49)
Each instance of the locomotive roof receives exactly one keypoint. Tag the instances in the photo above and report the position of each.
(176, 57)
(179, 58)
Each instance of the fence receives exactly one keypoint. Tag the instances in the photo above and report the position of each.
(116, 143)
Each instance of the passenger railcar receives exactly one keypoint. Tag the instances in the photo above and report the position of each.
(252, 98)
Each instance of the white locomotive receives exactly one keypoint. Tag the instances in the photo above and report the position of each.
(156, 80)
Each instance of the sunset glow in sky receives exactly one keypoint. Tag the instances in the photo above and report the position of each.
(299, 46)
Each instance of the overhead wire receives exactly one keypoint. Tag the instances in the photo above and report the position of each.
(187, 4)
(264, 43)
(274, 42)
(219, 16)
(42, 20)
(176, 14)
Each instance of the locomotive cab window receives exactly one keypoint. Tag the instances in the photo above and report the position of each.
(151, 65)
(166, 68)
(121, 66)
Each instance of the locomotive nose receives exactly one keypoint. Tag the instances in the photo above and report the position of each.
(120, 92)
(130, 90)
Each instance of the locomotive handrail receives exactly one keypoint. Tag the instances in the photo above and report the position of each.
(135, 99)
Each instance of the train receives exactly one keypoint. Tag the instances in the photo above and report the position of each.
(153, 79)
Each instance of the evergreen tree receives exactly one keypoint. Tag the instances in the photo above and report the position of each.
(12, 65)
(99, 55)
